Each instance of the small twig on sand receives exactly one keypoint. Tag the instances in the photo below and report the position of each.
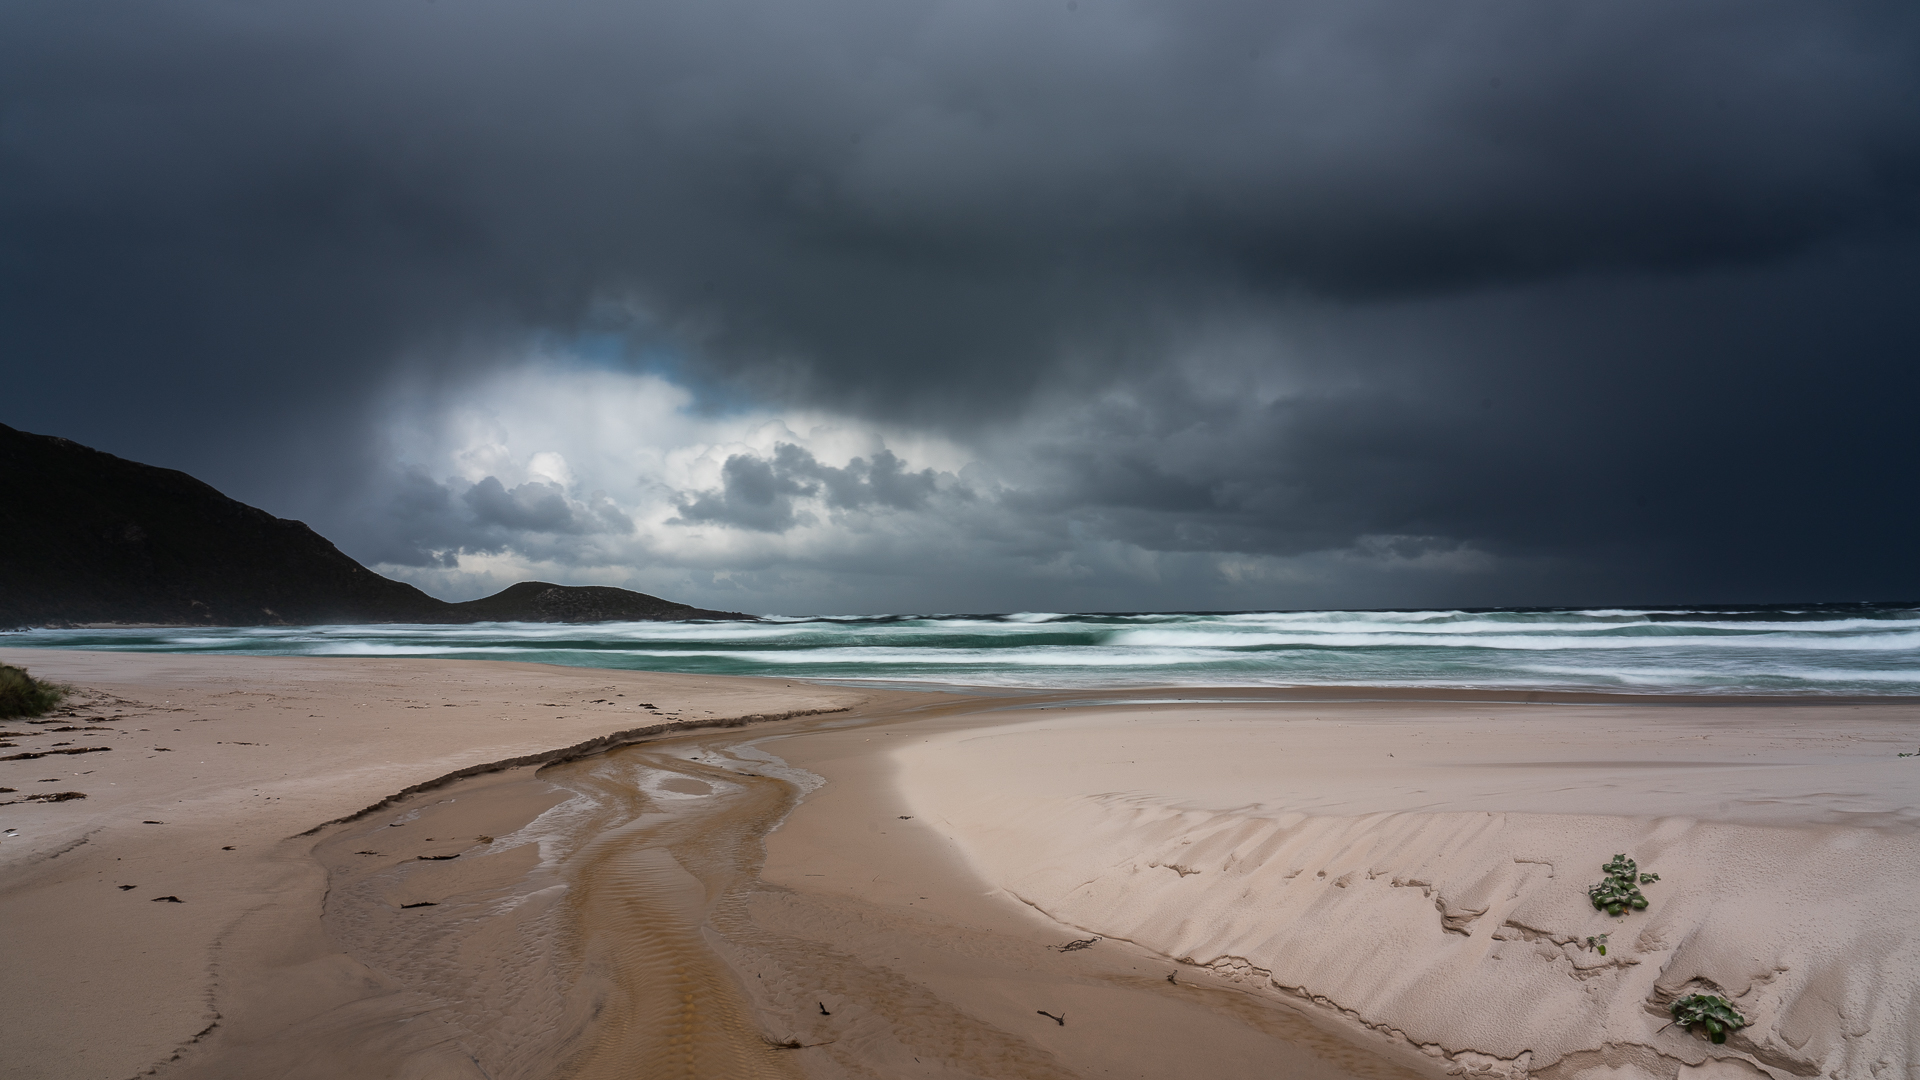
(1061, 1019)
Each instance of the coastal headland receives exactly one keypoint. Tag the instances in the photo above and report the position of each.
(95, 540)
(327, 867)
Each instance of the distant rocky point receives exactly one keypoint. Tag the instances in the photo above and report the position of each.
(87, 538)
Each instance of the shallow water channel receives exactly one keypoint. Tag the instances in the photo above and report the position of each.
(629, 924)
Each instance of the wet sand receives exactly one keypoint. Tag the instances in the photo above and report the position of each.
(706, 906)
(1055, 885)
(217, 765)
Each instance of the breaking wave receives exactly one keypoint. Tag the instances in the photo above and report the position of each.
(1854, 649)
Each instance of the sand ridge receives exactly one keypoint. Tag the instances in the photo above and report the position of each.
(1421, 870)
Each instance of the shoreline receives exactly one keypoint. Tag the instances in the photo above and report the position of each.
(1001, 834)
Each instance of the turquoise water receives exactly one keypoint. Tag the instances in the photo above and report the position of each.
(1836, 649)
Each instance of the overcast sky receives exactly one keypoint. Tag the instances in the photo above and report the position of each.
(977, 305)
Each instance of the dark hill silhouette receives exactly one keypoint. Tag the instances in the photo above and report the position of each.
(539, 601)
(86, 537)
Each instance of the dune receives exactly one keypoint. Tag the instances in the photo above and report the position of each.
(1419, 872)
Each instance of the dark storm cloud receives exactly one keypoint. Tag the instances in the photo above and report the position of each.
(1545, 276)
(428, 523)
(885, 196)
(758, 493)
(533, 506)
(752, 496)
(885, 481)
(1704, 437)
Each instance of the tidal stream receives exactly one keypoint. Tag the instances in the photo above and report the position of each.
(626, 923)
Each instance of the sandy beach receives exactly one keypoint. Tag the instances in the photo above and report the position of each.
(884, 883)
(215, 763)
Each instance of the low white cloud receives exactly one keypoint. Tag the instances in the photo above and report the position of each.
(558, 471)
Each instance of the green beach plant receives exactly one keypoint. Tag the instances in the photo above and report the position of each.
(23, 695)
(1620, 889)
(1710, 1011)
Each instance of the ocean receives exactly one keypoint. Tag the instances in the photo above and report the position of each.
(1850, 649)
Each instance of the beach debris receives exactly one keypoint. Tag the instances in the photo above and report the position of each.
(1171, 978)
(150, 821)
(168, 900)
(823, 1008)
(1061, 1019)
(55, 796)
(164, 749)
(6, 790)
(1620, 889)
(1710, 1011)
(906, 817)
(483, 839)
(437, 858)
(30, 755)
(1916, 753)
(366, 853)
(124, 888)
(229, 847)
(1598, 943)
(422, 903)
(1076, 946)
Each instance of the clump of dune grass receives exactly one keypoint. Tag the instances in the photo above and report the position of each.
(23, 695)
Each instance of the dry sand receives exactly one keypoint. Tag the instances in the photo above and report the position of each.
(1325, 890)
(1420, 870)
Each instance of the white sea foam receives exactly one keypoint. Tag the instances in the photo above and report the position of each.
(1850, 649)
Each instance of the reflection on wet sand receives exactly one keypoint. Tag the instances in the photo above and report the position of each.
(624, 926)
(701, 967)
(663, 1002)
